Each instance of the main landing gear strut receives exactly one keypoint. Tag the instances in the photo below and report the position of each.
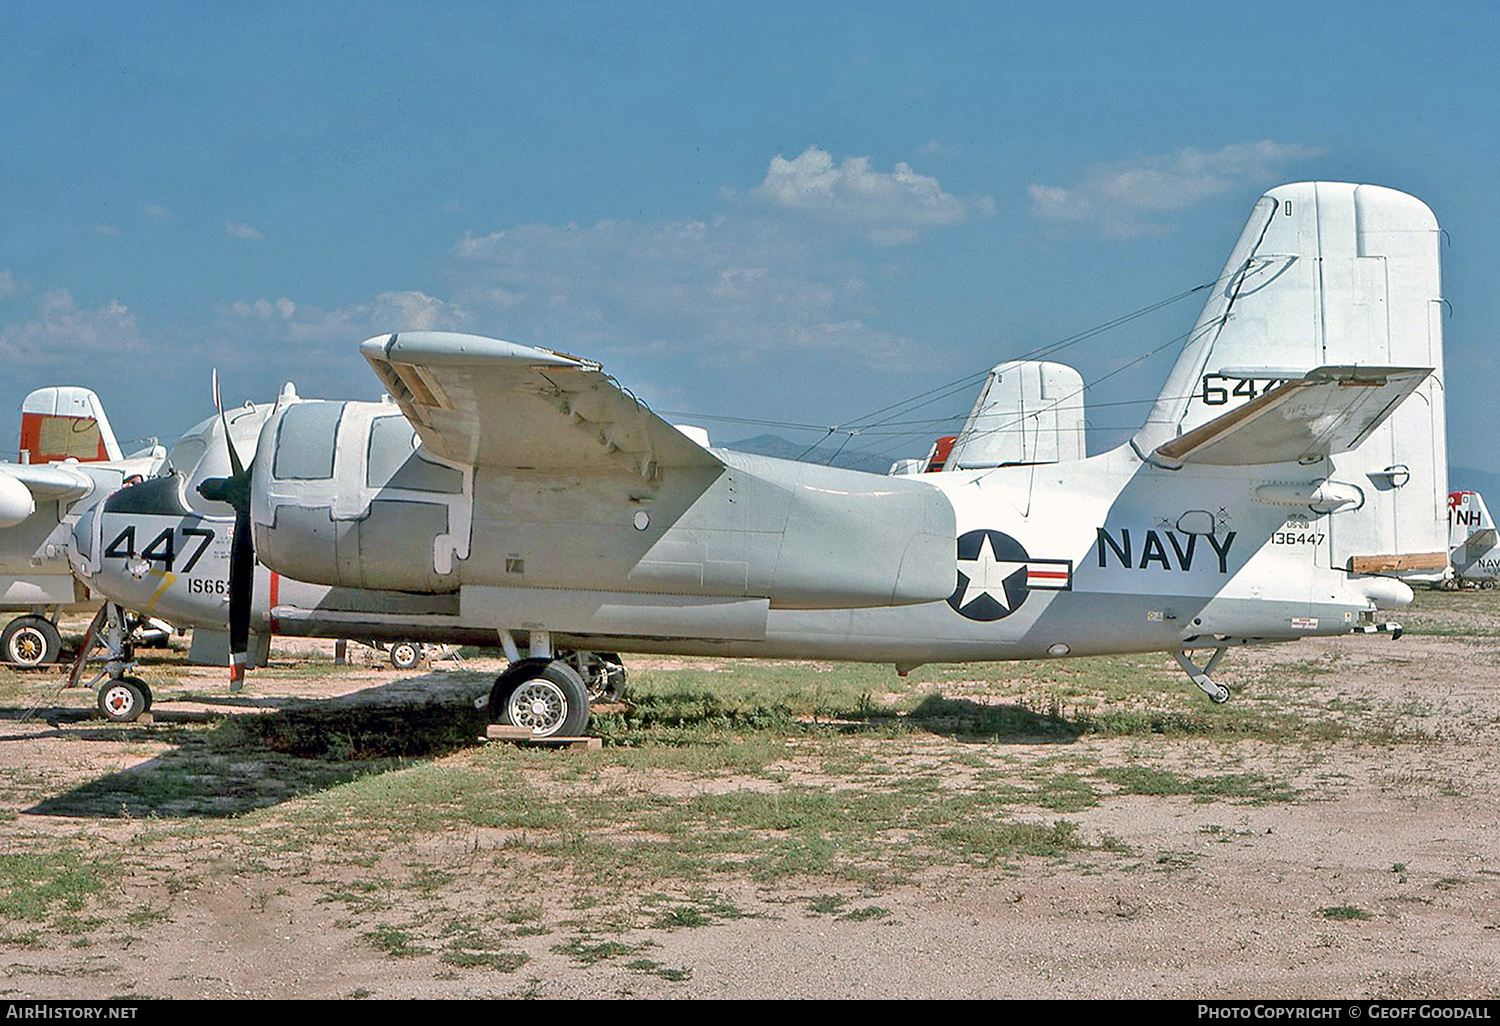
(549, 692)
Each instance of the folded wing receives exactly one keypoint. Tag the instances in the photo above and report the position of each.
(484, 401)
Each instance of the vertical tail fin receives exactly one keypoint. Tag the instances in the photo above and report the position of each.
(1467, 516)
(1029, 411)
(1328, 273)
(65, 422)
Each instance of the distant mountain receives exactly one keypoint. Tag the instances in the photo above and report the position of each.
(775, 445)
(1467, 479)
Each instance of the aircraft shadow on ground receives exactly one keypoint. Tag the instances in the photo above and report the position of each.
(225, 766)
(236, 764)
(1005, 723)
(958, 718)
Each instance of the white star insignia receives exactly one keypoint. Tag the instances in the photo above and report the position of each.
(987, 575)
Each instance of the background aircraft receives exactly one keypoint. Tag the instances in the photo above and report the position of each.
(1475, 552)
(1281, 477)
(69, 461)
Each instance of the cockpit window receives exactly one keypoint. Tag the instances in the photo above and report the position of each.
(160, 495)
(186, 453)
(305, 440)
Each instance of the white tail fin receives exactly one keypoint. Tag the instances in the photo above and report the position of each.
(1467, 517)
(1029, 411)
(65, 422)
(1474, 548)
(1332, 274)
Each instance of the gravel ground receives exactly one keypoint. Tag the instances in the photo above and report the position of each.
(1380, 879)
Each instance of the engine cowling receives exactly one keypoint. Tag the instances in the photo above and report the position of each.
(343, 494)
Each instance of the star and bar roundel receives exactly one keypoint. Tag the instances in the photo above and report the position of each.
(995, 574)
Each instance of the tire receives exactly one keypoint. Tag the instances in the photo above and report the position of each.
(123, 699)
(405, 655)
(550, 699)
(29, 641)
(607, 682)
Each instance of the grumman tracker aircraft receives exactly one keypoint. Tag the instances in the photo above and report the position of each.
(68, 461)
(1475, 549)
(1294, 459)
(161, 548)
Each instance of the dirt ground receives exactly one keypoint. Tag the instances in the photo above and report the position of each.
(1380, 880)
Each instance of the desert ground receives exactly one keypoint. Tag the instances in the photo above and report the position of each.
(1079, 829)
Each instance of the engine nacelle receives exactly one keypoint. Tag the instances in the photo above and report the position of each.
(344, 494)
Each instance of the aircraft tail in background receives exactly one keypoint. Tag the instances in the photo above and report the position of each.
(1474, 548)
(65, 422)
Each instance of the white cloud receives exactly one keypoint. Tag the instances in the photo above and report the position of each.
(265, 309)
(10, 285)
(726, 290)
(312, 327)
(1128, 198)
(157, 210)
(107, 229)
(62, 333)
(890, 207)
(933, 148)
(241, 231)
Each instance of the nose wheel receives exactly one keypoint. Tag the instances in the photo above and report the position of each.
(124, 699)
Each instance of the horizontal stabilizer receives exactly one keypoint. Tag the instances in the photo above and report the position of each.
(484, 401)
(1482, 539)
(1329, 410)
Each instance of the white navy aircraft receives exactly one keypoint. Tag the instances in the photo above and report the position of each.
(68, 462)
(1475, 548)
(1292, 468)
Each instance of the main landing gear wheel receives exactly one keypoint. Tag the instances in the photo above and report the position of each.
(547, 698)
(30, 641)
(405, 655)
(124, 699)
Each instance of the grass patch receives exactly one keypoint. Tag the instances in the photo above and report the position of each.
(986, 844)
(585, 953)
(1246, 788)
(702, 908)
(1344, 912)
(645, 965)
(395, 942)
(34, 884)
(501, 961)
(865, 914)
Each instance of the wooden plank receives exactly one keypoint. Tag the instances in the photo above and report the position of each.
(506, 732)
(520, 735)
(1398, 562)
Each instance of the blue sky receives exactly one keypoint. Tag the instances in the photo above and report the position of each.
(795, 213)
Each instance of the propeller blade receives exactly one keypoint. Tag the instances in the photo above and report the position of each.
(241, 586)
(234, 491)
